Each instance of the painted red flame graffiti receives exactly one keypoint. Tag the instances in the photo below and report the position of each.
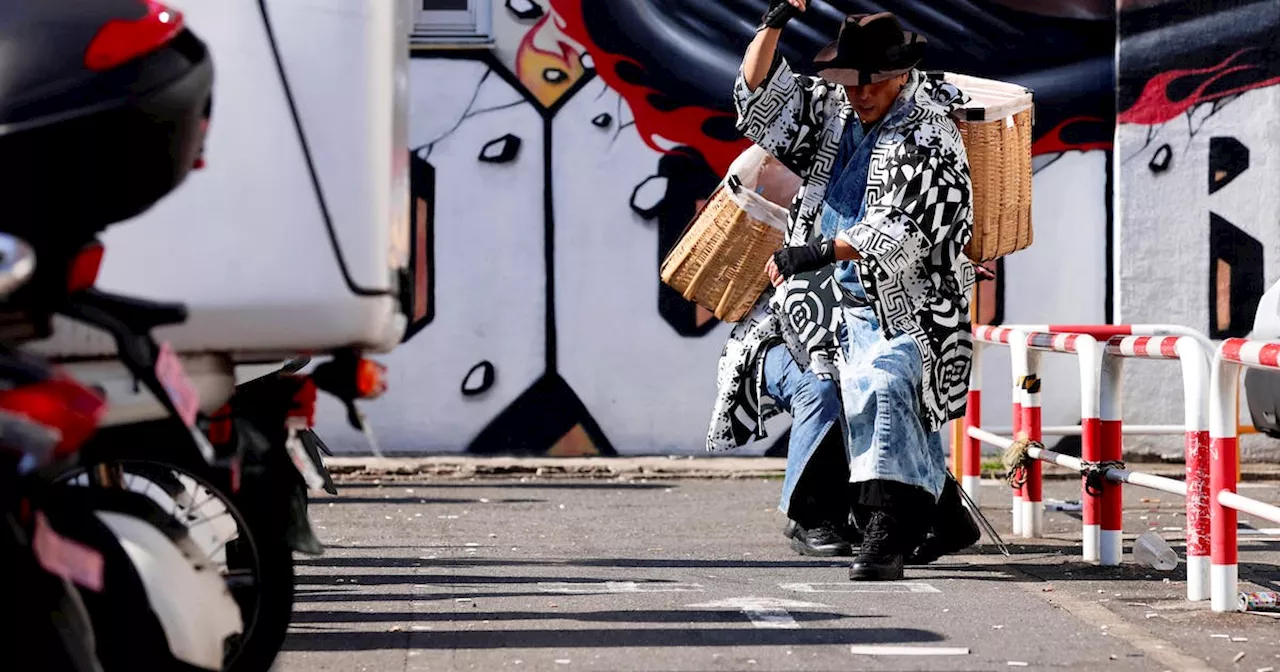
(533, 63)
(1154, 106)
(682, 126)
(1053, 142)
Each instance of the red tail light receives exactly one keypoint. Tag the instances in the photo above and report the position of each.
(85, 267)
(371, 379)
(304, 402)
(120, 41)
(59, 403)
(220, 427)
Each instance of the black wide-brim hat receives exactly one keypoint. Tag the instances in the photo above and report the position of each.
(869, 49)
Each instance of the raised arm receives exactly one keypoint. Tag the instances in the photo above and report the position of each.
(777, 109)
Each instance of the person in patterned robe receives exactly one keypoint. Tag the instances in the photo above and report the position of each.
(886, 209)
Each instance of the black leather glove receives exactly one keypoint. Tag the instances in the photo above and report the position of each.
(778, 14)
(811, 257)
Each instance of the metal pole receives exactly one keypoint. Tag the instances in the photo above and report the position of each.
(1019, 363)
(1195, 379)
(1250, 506)
(1111, 411)
(1224, 572)
(1091, 441)
(973, 418)
(1033, 489)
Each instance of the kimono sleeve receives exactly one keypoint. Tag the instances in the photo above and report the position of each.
(783, 115)
(928, 194)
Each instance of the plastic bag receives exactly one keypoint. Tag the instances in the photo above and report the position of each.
(762, 186)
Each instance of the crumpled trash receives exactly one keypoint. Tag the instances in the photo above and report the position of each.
(1264, 601)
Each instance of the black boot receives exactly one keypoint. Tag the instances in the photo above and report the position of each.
(881, 555)
(823, 540)
(953, 529)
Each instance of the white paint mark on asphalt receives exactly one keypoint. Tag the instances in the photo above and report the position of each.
(764, 612)
(884, 650)
(856, 587)
(618, 587)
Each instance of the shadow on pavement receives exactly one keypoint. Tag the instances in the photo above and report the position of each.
(602, 639)
(366, 547)
(550, 484)
(630, 563)
(631, 616)
(437, 579)
(325, 596)
(409, 499)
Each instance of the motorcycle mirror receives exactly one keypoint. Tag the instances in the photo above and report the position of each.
(295, 365)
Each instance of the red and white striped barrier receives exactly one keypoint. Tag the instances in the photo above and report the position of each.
(1224, 503)
(1102, 430)
(1016, 340)
(1105, 332)
(1195, 378)
(1028, 504)
(1027, 521)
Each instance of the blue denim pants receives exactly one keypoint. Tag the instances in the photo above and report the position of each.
(880, 390)
(814, 406)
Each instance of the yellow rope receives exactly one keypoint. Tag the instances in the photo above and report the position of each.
(1016, 459)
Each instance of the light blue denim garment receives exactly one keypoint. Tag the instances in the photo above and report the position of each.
(814, 406)
(845, 196)
(880, 385)
(845, 202)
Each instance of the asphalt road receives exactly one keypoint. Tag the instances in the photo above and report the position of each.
(695, 575)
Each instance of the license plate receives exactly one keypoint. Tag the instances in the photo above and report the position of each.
(179, 386)
(302, 461)
(66, 558)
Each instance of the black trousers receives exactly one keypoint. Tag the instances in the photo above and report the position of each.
(823, 493)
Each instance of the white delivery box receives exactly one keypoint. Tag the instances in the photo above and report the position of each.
(295, 235)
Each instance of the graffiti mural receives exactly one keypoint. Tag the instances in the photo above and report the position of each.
(1199, 93)
(556, 170)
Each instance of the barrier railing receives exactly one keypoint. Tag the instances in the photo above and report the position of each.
(1224, 393)
(1194, 359)
(1105, 332)
(1100, 333)
(1101, 368)
(1028, 500)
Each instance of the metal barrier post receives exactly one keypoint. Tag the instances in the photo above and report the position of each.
(1091, 441)
(1110, 409)
(1018, 360)
(1195, 379)
(1224, 575)
(1033, 488)
(958, 444)
(1224, 458)
(973, 418)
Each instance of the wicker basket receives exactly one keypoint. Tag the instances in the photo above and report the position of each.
(996, 127)
(719, 261)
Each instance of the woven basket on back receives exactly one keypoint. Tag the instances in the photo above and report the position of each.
(996, 127)
(719, 261)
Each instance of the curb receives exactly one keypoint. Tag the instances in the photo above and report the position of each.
(605, 468)
(354, 469)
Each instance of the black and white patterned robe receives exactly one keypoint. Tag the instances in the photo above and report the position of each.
(919, 218)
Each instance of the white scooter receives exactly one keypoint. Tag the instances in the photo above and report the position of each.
(1262, 388)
